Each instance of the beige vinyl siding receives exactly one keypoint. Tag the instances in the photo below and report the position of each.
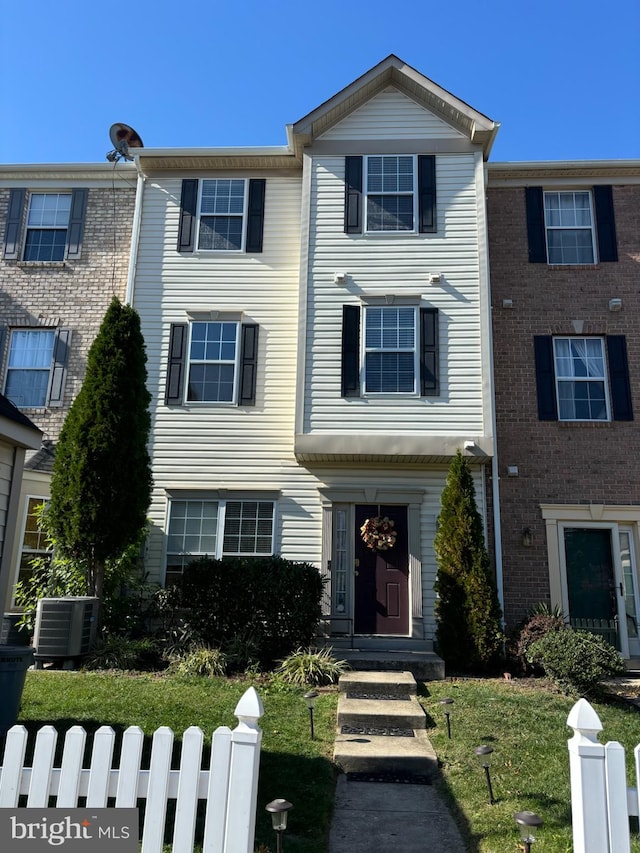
(213, 446)
(6, 474)
(391, 115)
(398, 265)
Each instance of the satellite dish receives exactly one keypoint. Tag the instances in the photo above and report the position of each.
(123, 138)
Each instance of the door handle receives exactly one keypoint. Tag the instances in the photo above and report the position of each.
(621, 589)
(356, 573)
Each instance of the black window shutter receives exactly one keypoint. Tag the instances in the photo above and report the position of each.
(536, 236)
(75, 228)
(605, 223)
(429, 369)
(353, 195)
(248, 364)
(619, 378)
(174, 392)
(545, 378)
(13, 227)
(427, 194)
(255, 215)
(350, 350)
(59, 367)
(188, 215)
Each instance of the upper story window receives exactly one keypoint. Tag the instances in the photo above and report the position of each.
(581, 379)
(213, 359)
(221, 215)
(571, 227)
(390, 193)
(36, 366)
(569, 224)
(222, 212)
(47, 222)
(390, 362)
(44, 227)
(217, 528)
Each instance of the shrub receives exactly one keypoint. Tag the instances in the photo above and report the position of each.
(311, 666)
(535, 626)
(577, 661)
(114, 652)
(202, 661)
(269, 603)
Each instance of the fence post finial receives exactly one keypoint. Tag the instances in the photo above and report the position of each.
(589, 813)
(584, 721)
(249, 710)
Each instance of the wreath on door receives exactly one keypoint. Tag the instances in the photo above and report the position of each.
(378, 533)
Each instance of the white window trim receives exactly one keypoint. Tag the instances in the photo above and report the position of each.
(245, 207)
(378, 395)
(8, 369)
(216, 497)
(236, 364)
(27, 228)
(591, 228)
(365, 194)
(604, 380)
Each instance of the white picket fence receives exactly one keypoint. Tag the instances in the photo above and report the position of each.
(601, 801)
(229, 787)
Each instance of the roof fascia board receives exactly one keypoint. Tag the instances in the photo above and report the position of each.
(563, 172)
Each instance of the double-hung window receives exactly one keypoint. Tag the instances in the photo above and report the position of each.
(217, 528)
(390, 193)
(29, 367)
(35, 544)
(47, 223)
(213, 359)
(222, 213)
(569, 224)
(581, 379)
(390, 360)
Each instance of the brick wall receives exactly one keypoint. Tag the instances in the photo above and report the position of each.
(558, 462)
(72, 295)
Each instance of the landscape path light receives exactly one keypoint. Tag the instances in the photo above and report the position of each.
(279, 811)
(483, 753)
(527, 822)
(310, 699)
(446, 703)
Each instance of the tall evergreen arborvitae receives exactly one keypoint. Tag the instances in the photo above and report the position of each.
(469, 635)
(101, 486)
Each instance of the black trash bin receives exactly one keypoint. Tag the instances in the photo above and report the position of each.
(14, 663)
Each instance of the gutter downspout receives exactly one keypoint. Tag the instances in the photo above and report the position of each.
(135, 235)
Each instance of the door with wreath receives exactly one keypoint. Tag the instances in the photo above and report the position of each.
(381, 570)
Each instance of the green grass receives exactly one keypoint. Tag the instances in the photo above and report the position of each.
(523, 721)
(292, 766)
(526, 726)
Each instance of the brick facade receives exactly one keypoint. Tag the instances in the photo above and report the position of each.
(70, 294)
(558, 462)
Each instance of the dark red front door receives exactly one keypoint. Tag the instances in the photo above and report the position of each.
(382, 577)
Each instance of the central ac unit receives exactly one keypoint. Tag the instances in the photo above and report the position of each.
(65, 627)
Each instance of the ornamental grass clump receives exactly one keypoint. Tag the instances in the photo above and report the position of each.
(202, 661)
(314, 667)
(576, 661)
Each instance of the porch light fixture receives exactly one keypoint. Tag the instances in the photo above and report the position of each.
(527, 537)
(527, 822)
(310, 700)
(279, 811)
(446, 703)
(615, 304)
(483, 753)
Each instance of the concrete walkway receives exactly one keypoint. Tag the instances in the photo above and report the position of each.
(396, 816)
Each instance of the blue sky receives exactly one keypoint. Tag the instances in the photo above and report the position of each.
(562, 77)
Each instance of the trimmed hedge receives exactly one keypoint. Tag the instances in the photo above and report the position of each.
(269, 605)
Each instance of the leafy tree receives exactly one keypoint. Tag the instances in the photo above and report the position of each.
(101, 485)
(469, 635)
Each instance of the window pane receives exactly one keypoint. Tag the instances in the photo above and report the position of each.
(248, 527)
(192, 528)
(221, 233)
(212, 353)
(211, 383)
(390, 213)
(389, 372)
(49, 210)
(47, 245)
(570, 247)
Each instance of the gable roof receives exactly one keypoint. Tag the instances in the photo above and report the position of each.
(16, 427)
(392, 71)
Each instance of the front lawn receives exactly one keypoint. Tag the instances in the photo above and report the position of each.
(292, 766)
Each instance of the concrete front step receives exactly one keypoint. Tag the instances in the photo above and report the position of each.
(383, 754)
(372, 751)
(425, 666)
(381, 713)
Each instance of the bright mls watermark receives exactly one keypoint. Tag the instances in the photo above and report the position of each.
(69, 830)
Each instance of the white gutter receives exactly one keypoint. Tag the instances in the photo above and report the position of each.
(135, 235)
